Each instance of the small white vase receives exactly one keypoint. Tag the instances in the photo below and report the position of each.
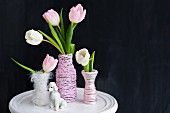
(40, 94)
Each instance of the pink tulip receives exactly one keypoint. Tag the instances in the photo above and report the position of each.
(77, 14)
(52, 16)
(49, 63)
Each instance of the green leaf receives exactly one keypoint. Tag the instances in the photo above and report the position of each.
(58, 32)
(86, 68)
(72, 48)
(61, 38)
(69, 35)
(91, 62)
(51, 40)
(24, 67)
(56, 37)
(62, 24)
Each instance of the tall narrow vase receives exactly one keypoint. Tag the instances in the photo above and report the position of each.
(40, 94)
(90, 89)
(66, 78)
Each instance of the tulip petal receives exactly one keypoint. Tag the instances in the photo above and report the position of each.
(79, 58)
(27, 35)
(33, 37)
(45, 62)
(79, 8)
(77, 14)
(74, 15)
(82, 16)
(45, 17)
(52, 65)
(52, 17)
(54, 14)
(85, 62)
(32, 42)
(82, 57)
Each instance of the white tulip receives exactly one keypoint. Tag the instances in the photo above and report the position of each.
(33, 37)
(82, 56)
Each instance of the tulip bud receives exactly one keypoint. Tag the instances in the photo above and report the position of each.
(33, 37)
(49, 63)
(52, 16)
(77, 14)
(82, 57)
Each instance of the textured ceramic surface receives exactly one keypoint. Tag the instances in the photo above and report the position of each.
(105, 104)
(66, 78)
(90, 89)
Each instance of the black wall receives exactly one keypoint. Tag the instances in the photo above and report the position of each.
(131, 39)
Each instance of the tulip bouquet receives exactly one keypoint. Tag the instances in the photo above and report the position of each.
(40, 79)
(62, 39)
(83, 58)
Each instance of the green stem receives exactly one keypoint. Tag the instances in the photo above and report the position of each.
(55, 35)
(59, 28)
(62, 24)
(53, 45)
(69, 36)
(61, 38)
(51, 41)
(74, 25)
(86, 68)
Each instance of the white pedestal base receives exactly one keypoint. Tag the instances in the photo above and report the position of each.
(105, 104)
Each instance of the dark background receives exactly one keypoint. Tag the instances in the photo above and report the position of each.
(131, 39)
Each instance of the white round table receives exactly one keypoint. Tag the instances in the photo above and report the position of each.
(105, 104)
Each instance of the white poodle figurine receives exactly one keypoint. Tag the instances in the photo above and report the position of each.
(56, 101)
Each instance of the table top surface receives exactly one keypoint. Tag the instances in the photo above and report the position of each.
(105, 104)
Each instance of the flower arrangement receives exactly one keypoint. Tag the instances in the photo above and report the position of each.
(65, 73)
(83, 58)
(62, 39)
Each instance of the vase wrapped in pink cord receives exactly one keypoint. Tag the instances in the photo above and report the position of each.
(66, 78)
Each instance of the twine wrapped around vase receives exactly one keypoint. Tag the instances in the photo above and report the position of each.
(90, 89)
(40, 95)
(66, 78)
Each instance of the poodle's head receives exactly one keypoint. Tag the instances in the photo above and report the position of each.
(52, 87)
